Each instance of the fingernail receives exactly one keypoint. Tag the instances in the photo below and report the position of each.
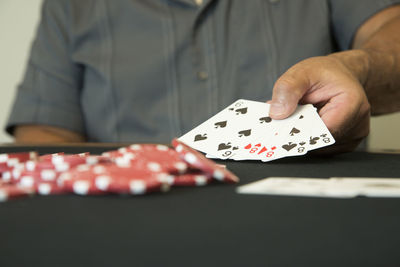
(277, 108)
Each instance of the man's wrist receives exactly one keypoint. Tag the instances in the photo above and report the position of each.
(357, 61)
(377, 71)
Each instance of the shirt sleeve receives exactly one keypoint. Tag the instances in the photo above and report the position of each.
(348, 15)
(50, 91)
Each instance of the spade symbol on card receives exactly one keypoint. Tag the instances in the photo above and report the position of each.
(313, 140)
(220, 124)
(294, 131)
(241, 111)
(244, 133)
(289, 146)
(200, 137)
(224, 146)
(265, 119)
(302, 143)
(301, 116)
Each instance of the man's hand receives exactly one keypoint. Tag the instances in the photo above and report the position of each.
(342, 85)
(329, 85)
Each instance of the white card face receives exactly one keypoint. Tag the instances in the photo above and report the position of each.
(219, 135)
(369, 186)
(259, 145)
(288, 138)
(320, 135)
(338, 187)
(244, 131)
(292, 138)
(291, 186)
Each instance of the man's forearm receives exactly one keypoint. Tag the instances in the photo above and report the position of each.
(382, 84)
(376, 64)
(45, 134)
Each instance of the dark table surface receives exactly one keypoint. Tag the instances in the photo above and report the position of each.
(212, 225)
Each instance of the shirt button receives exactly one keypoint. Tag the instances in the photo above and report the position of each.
(202, 75)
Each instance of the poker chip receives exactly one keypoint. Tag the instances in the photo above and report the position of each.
(21, 156)
(48, 157)
(112, 179)
(131, 180)
(197, 160)
(43, 188)
(191, 179)
(8, 161)
(79, 182)
(38, 176)
(154, 157)
(12, 191)
(77, 159)
(135, 170)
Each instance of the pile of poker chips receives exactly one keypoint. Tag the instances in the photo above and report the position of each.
(136, 169)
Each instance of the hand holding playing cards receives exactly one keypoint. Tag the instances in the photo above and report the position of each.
(335, 89)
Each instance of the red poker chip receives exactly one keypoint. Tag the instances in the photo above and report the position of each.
(76, 159)
(136, 169)
(130, 180)
(20, 156)
(47, 188)
(154, 157)
(191, 179)
(79, 182)
(197, 160)
(64, 163)
(29, 178)
(12, 191)
(46, 165)
(134, 185)
(5, 174)
(48, 157)
(10, 160)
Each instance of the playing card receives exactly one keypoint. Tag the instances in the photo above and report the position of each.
(289, 138)
(320, 135)
(263, 129)
(211, 136)
(293, 186)
(338, 187)
(369, 186)
(245, 131)
(221, 135)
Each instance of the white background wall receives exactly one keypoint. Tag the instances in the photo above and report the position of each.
(18, 22)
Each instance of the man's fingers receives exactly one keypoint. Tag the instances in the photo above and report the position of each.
(348, 124)
(287, 92)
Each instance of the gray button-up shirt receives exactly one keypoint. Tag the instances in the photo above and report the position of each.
(147, 71)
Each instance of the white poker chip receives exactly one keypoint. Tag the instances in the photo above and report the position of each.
(44, 189)
(162, 148)
(154, 166)
(137, 187)
(200, 180)
(3, 196)
(190, 158)
(26, 181)
(102, 182)
(48, 175)
(81, 187)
